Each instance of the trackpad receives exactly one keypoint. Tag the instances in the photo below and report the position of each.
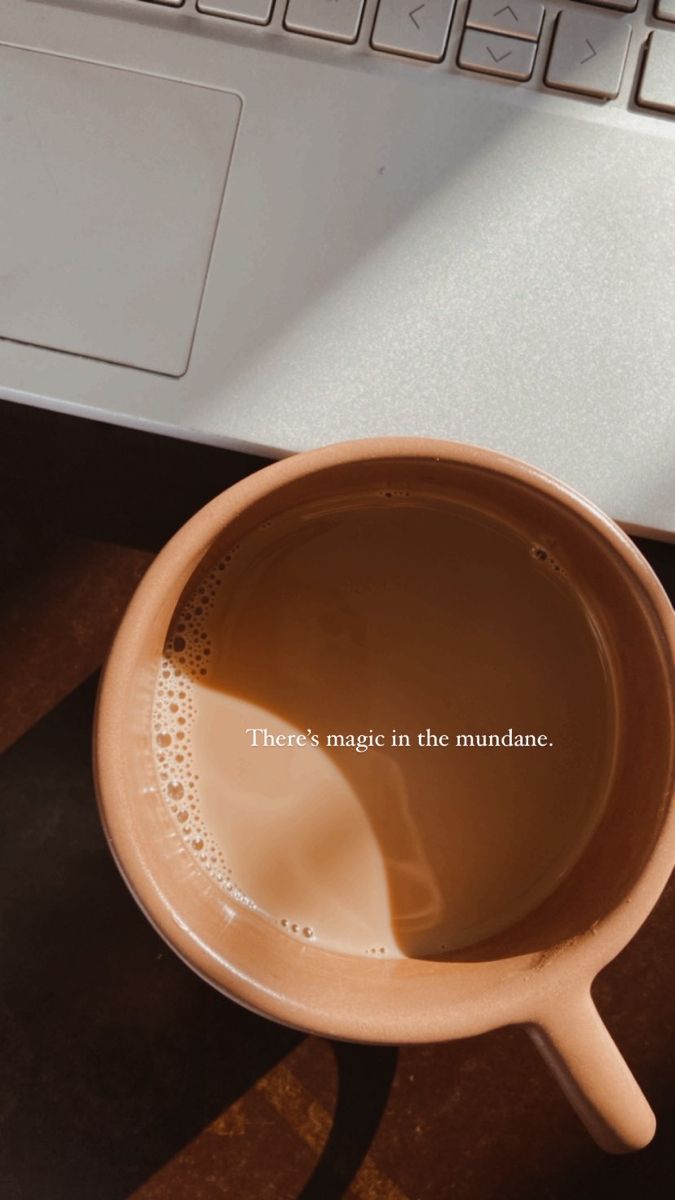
(112, 185)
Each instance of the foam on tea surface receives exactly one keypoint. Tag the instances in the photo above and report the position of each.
(384, 612)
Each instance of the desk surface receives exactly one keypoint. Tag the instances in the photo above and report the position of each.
(124, 1075)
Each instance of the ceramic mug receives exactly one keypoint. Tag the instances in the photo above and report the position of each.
(539, 972)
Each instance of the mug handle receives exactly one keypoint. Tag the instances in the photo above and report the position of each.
(592, 1073)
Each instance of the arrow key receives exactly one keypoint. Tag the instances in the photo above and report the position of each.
(509, 57)
(519, 18)
(588, 54)
(417, 28)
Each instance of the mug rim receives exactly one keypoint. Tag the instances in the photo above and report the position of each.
(515, 989)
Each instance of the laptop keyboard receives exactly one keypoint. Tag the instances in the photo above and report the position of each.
(585, 46)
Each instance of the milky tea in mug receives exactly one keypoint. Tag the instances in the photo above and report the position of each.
(331, 711)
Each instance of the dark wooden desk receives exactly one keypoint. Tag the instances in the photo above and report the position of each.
(121, 1073)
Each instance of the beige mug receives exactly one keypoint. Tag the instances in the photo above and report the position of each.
(537, 973)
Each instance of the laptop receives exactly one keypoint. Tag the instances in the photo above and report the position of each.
(274, 224)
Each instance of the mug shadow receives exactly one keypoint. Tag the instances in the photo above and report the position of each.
(365, 1076)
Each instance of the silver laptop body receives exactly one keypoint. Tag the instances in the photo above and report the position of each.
(273, 224)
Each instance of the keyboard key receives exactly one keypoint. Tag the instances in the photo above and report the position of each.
(665, 10)
(622, 5)
(338, 20)
(410, 27)
(657, 85)
(257, 12)
(588, 54)
(508, 57)
(520, 18)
